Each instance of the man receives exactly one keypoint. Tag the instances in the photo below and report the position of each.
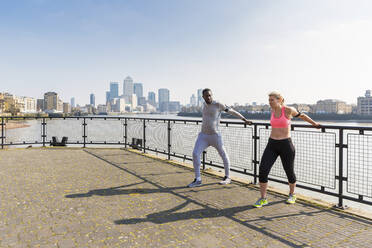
(210, 136)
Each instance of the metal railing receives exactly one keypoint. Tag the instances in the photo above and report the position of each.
(333, 160)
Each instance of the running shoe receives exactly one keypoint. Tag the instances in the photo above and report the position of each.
(226, 180)
(260, 203)
(195, 183)
(291, 199)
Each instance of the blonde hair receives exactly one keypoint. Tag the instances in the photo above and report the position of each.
(278, 96)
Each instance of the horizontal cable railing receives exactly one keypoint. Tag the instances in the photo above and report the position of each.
(333, 160)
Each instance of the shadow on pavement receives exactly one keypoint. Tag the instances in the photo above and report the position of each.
(207, 210)
(119, 191)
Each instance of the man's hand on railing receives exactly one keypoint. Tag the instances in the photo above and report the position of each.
(247, 121)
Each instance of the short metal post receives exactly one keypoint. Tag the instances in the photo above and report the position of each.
(2, 132)
(43, 124)
(340, 168)
(144, 135)
(204, 155)
(125, 132)
(169, 139)
(84, 132)
(255, 155)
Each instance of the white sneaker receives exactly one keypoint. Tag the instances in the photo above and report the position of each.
(195, 183)
(226, 180)
(291, 199)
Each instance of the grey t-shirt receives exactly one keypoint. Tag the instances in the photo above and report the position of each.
(211, 117)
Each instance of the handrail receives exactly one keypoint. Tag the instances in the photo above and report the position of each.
(337, 135)
(224, 121)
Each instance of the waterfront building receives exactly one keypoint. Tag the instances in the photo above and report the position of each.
(87, 109)
(60, 105)
(101, 108)
(92, 100)
(174, 106)
(116, 105)
(332, 106)
(52, 103)
(164, 106)
(66, 108)
(133, 101)
(163, 100)
(149, 108)
(200, 97)
(30, 104)
(128, 86)
(72, 102)
(114, 90)
(8, 103)
(142, 101)
(23, 104)
(19, 103)
(138, 90)
(120, 105)
(152, 98)
(364, 105)
(305, 108)
(263, 108)
(15, 104)
(139, 108)
(40, 105)
(108, 98)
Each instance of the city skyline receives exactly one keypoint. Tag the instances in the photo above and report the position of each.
(155, 97)
(242, 50)
(52, 103)
(187, 102)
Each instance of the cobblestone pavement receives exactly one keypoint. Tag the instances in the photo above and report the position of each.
(116, 198)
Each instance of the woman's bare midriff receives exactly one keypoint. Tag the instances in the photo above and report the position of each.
(280, 133)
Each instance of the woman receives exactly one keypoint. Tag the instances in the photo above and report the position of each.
(280, 144)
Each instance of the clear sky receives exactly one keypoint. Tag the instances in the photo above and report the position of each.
(241, 49)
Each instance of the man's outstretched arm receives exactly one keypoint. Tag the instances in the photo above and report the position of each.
(237, 114)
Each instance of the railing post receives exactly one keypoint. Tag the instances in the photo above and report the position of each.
(84, 131)
(169, 139)
(125, 132)
(2, 132)
(43, 124)
(340, 168)
(204, 154)
(144, 135)
(255, 155)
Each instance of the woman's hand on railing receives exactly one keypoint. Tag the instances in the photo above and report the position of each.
(317, 125)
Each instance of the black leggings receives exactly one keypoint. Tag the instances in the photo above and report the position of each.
(283, 148)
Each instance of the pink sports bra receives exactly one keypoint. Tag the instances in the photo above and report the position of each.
(281, 122)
